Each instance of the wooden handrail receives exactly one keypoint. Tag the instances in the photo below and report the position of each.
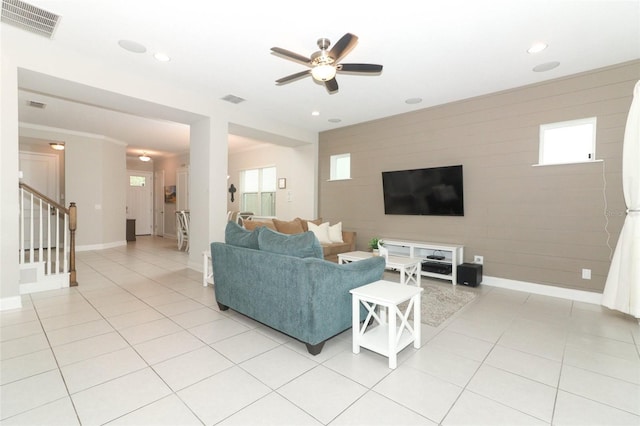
(44, 197)
(73, 223)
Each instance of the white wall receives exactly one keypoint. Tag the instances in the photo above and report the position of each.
(9, 273)
(296, 164)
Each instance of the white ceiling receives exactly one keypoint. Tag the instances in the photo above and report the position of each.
(436, 50)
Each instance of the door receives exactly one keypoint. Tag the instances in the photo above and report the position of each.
(140, 200)
(39, 171)
(159, 203)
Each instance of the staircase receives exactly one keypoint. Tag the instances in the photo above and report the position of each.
(47, 242)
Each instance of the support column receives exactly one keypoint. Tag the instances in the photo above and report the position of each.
(9, 245)
(207, 186)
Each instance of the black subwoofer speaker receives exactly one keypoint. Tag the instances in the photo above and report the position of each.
(469, 274)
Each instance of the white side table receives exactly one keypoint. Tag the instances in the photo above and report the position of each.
(387, 339)
(409, 267)
(207, 268)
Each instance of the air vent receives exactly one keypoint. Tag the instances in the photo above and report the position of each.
(36, 104)
(29, 18)
(233, 99)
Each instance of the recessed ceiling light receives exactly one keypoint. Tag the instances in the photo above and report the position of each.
(162, 57)
(334, 120)
(132, 46)
(537, 47)
(547, 66)
(412, 101)
(315, 113)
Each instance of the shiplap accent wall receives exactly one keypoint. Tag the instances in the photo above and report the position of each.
(533, 224)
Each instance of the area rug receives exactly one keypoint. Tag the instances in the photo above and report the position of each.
(441, 301)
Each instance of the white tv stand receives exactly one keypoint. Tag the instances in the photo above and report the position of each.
(453, 255)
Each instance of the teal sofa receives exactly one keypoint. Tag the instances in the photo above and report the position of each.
(283, 282)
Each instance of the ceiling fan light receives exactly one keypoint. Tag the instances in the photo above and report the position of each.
(323, 72)
(144, 157)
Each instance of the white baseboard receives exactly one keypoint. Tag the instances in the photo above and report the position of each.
(50, 282)
(7, 303)
(545, 290)
(92, 247)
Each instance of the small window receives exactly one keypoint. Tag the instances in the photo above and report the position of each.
(568, 142)
(258, 191)
(137, 180)
(340, 167)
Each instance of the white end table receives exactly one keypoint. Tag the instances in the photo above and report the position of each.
(387, 339)
(207, 268)
(409, 267)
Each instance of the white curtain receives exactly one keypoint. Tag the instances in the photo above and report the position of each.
(622, 289)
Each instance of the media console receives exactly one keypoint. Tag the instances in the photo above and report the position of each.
(438, 260)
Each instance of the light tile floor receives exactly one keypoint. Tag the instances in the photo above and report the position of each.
(140, 341)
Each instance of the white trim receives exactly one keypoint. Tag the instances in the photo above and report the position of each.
(564, 164)
(93, 247)
(7, 303)
(546, 290)
(50, 282)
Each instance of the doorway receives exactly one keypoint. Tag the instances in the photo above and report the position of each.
(140, 200)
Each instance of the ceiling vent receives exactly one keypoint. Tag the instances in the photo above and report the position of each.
(233, 99)
(29, 18)
(36, 104)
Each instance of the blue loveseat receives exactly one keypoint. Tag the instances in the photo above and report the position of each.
(283, 281)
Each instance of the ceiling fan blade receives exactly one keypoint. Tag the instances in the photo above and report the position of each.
(291, 55)
(331, 85)
(343, 46)
(366, 68)
(292, 77)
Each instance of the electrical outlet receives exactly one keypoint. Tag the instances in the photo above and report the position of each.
(478, 259)
(586, 274)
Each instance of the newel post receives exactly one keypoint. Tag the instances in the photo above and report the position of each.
(73, 222)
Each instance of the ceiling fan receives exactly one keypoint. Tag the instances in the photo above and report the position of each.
(324, 64)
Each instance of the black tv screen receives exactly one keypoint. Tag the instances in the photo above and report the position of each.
(433, 191)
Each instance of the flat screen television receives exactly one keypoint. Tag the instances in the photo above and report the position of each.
(432, 191)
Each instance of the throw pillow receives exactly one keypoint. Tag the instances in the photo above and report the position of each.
(305, 227)
(236, 235)
(291, 227)
(253, 224)
(335, 233)
(298, 245)
(320, 231)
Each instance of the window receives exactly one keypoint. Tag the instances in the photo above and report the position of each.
(340, 167)
(568, 141)
(258, 191)
(137, 180)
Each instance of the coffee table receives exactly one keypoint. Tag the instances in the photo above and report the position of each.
(387, 338)
(409, 267)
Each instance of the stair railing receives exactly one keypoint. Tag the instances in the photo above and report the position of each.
(43, 222)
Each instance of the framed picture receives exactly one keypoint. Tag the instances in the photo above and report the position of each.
(170, 194)
(282, 183)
